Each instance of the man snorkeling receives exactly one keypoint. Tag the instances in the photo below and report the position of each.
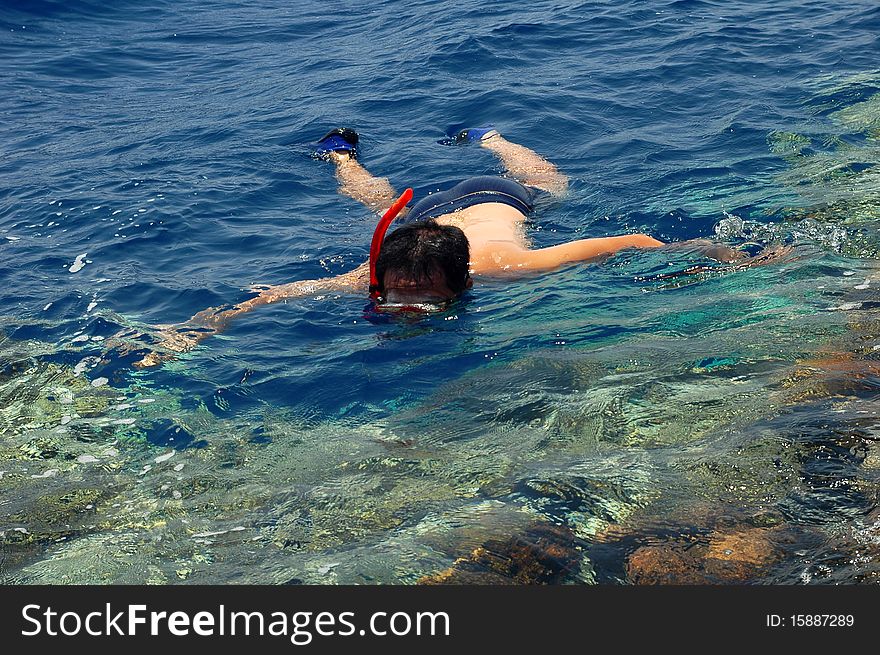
(474, 229)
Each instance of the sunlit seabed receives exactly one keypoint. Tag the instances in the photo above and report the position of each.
(696, 415)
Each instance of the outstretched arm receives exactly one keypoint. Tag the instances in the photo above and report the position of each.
(184, 337)
(527, 166)
(588, 249)
(510, 258)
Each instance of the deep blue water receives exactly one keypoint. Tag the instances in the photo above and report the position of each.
(168, 142)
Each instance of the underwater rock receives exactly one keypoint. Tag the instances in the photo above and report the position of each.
(730, 556)
(115, 558)
(752, 468)
(585, 502)
(861, 117)
(837, 374)
(671, 563)
(787, 144)
(43, 396)
(543, 554)
(753, 547)
(49, 518)
(42, 447)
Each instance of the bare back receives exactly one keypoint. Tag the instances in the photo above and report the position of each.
(493, 229)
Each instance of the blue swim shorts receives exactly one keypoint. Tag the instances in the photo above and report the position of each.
(473, 191)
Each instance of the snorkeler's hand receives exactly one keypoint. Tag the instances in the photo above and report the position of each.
(711, 249)
(152, 359)
(173, 340)
(768, 255)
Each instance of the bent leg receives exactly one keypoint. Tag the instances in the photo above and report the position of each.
(527, 166)
(357, 182)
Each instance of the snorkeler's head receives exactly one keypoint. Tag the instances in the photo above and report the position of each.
(423, 262)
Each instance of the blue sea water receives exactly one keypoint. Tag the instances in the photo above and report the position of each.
(156, 162)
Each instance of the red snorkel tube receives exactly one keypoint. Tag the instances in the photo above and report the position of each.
(379, 237)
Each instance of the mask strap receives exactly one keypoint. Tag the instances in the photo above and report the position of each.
(379, 237)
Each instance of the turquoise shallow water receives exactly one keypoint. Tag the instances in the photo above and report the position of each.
(156, 163)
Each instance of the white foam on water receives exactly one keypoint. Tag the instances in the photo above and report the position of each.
(238, 528)
(162, 458)
(78, 263)
(99, 382)
(51, 473)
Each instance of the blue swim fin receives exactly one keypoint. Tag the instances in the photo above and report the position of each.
(470, 135)
(340, 139)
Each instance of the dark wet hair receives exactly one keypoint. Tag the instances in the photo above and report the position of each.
(418, 252)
